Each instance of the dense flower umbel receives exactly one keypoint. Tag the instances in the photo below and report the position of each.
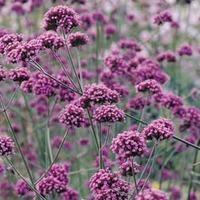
(170, 101)
(149, 85)
(61, 17)
(51, 40)
(152, 194)
(98, 94)
(160, 129)
(167, 56)
(24, 51)
(70, 194)
(55, 181)
(185, 50)
(40, 84)
(77, 39)
(163, 17)
(129, 44)
(107, 185)
(6, 145)
(22, 188)
(19, 74)
(3, 74)
(129, 168)
(192, 116)
(72, 115)
(128, 144)
(7, 40)
(109, 113)
(138, 102)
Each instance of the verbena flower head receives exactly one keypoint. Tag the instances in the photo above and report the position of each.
(22, 188)
(6, 145)
(192, 116)
(163, 17)
(61, 17)
(167, 56)
(185, 50)
(160, 129)
(51, 40)
(152, 194)
(138, 102)
(129, 144)
(171, 101)
(3, 74)
(19, 74)
(70, 194)
(40, 84)
(129, 44)
(99, 94)
(129, 168)
(107, 185)
(24, 51)
(7, 40)
(72, 115)
(77, 39)
(108, 113)
(55, 181)
(149, 85)
(116, 64)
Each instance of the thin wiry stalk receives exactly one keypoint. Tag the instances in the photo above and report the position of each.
(55, 158)
(16, 142)
(64, 69)
(23, 178)
(93, 130)
(193, 169)
(174, 136)
(71, 61)
(39, 67)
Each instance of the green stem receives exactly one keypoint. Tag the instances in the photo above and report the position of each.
(193, 169)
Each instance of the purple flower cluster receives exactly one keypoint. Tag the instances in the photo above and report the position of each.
(129, 168)
(6, 145)
(55, 181)
(138, 102)
(149, 85)
(24, 51)
(108, 113)
(149, 69)
(167, 56)
(107, 185)
(62, 18)
(77, 39)
(160, 129)
(129, 44)
(70, 194)
(129, 144)
(192, 116)
(98, 94)
(163, 17)
(185, 50)
(19, 74)
(152, 194)
(170, 101)
(3, 74)
(40, 84)
(72, 115)
(7, 41)
(22, 188)
(51, 40)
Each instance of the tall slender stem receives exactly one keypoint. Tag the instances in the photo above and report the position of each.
(17, 143)
(55, 158)
(193, 169)
(24, 179)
